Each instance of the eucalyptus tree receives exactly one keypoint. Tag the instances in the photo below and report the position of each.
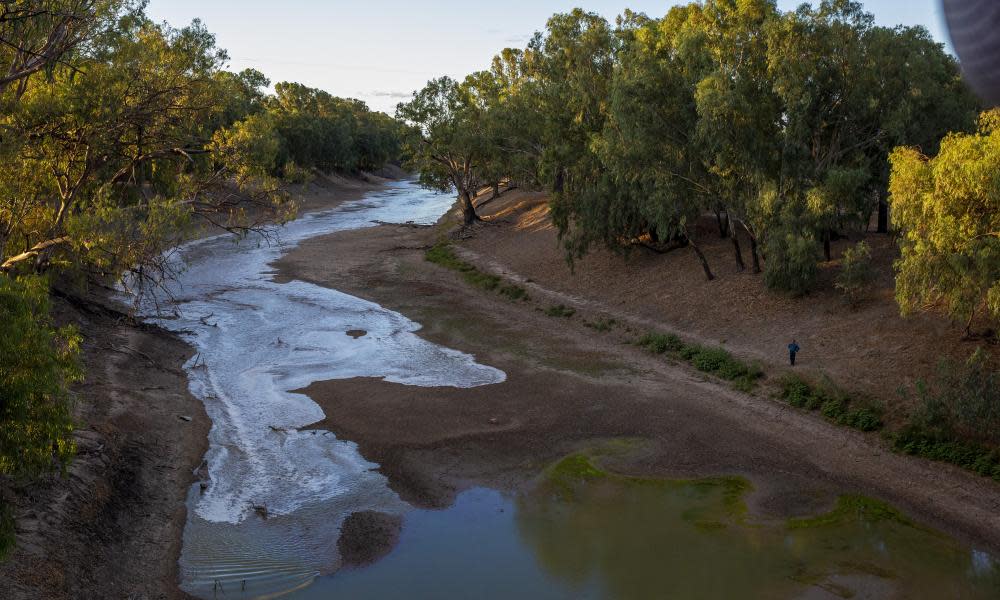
(948, 210)
(738, 111)
(106, 165)
(446, 142)
(38, 36)
(917, 96)
(572, 63)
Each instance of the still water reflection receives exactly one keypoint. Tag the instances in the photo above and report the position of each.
(616, 537)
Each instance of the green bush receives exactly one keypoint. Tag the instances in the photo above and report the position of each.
(856, 273)
(791, 264)
(443, 255)
(514, 292)
(795, 390)
(659, 343)
(832, 402)
(37, 363)
(716, 361)
(956, 418)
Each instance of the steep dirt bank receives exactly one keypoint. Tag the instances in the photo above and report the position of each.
(570, 386)
(112, 528)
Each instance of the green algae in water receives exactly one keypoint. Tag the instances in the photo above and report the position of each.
(584, 532)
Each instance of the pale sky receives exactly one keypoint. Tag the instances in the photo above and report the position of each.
(382, 50)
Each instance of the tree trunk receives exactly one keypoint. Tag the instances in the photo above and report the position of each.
(737, 251)
(883, 216)
(722, 226)
(826, 245)
(753, 253)
(469, 215)
(701, 257)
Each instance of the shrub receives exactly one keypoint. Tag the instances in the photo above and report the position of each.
(659, 343)
(443, 255)
(795, 390)
(956, 418)
(37, 363)
(560, 311)
(791, 262)
(832, 402)
(856, 273)
(964, 399)
(514, 292)
(722, 364)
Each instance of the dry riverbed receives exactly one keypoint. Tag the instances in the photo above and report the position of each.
(570, 387)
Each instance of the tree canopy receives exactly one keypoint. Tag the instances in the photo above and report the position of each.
(948, 210)
(780, 122)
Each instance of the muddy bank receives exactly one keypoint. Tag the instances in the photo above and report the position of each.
(112, 527)
(570, 386)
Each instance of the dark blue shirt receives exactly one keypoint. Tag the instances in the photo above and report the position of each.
(793, 347)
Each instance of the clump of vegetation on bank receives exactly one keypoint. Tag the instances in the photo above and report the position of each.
(715, 361)
(832, 402)
(443, 254)
(957, 417)
(601, 325)
(560, 310)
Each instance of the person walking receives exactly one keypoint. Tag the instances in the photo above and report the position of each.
(793, 349)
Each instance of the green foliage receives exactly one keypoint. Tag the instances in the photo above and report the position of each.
(715, 361)
(560, 310)
(833, 403)
(963, 401)
(37, 363)
(957, 418)
(856, 273)
(514, 292)
(659, 343)
(782, 120)
(948, 209)
(791, 262)
(446, 139)
(442, 254)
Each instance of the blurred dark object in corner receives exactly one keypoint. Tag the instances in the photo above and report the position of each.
(975, 34)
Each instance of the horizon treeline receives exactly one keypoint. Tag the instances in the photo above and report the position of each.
(778, 123)
(118, 136)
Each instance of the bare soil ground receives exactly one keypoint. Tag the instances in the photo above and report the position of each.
(570, 386)
(112, 527)
(869, 348)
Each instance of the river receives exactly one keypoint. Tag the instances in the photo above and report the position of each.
(266, 517)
